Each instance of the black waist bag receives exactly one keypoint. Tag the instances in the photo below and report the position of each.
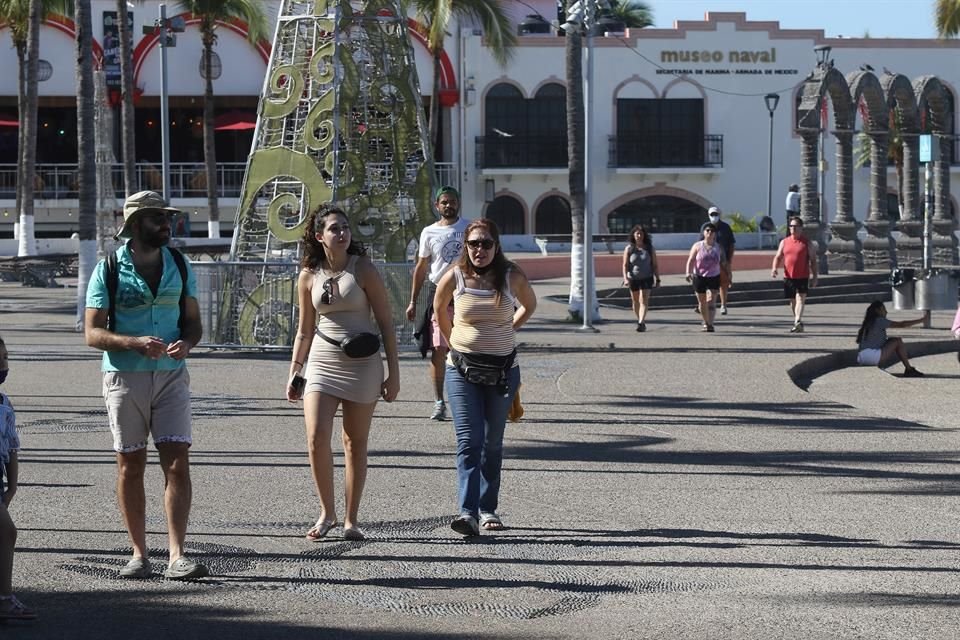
(361, 345)
(484, 369)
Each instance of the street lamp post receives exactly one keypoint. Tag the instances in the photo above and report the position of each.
(167, 29)
(771, 100)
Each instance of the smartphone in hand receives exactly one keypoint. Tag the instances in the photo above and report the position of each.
(299, 383)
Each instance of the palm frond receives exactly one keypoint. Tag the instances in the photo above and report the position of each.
(212, 11)
(438, 16)
(634, 14)
(947, 18)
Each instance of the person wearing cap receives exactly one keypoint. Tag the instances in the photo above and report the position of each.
(727, 242)
(146, 386)
(441, 245)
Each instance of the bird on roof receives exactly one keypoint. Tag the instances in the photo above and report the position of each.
(888, 72)
(865, 67)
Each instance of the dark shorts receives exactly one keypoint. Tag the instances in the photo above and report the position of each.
(702, 284)
(642, 283)
(793, 286)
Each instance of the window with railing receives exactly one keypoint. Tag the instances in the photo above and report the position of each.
(658, 214)
(524, 132)
(663, 132)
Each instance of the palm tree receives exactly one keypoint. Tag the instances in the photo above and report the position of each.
(210, 12)
(948, 18)
(438, 15)
(127, 124)
(22, 18)
(87, 159)
(633, 14)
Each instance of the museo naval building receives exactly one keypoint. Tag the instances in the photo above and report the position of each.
(679, 121)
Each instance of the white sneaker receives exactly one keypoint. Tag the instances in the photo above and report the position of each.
(439, 411)
(723, 310)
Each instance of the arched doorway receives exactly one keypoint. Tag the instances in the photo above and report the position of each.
(553, 217)
(659, 214)
(507, 213)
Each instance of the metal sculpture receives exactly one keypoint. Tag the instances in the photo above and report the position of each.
(340, 120)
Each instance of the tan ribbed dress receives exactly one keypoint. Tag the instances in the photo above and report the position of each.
(329, 370)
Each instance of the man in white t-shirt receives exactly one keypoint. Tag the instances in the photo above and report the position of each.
(792, 203)
(441, 244)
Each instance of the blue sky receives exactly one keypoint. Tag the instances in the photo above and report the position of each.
(850, 18)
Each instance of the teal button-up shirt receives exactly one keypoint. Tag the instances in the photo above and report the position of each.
(139, 313)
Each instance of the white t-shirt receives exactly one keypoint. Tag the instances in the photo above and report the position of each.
(793, 201)
(443, 245)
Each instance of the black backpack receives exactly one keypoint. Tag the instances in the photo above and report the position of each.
(112, 277)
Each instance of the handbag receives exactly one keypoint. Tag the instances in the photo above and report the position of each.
(361, 345)
(484, 369)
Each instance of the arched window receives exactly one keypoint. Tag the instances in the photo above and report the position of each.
(553, 216)
(524, 133)
(507, 213)
(663, 214)
(506, 111)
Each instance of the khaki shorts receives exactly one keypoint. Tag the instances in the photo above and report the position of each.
(141, 403)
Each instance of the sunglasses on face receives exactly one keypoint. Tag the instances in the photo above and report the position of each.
(328, 296)
(708, 231)
(795, 226)
(486, 243)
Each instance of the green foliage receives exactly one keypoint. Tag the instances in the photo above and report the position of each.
(947, 18)
(740, 224)
(498, 31)
(634, 14)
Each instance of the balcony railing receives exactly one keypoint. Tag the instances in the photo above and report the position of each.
(519, 152)
(666, 150)
(187, 180)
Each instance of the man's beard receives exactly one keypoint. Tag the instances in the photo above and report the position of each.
(154, 239)
(449, 213)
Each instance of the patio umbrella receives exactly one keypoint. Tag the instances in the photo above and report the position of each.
(235, 121)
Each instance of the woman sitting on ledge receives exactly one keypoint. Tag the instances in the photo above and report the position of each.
(875, 347)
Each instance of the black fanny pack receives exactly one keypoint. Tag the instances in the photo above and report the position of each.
(361, 345)
(484, 369)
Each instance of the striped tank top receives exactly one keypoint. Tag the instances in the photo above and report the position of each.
(480, 323)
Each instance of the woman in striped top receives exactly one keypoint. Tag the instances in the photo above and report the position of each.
(492, 298)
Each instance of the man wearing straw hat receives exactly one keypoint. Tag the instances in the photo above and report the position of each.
(142, 312)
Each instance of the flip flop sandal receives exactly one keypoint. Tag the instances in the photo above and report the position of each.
(491, 522)
(320, 530)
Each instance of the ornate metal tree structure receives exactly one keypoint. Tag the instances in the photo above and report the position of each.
(340, 120)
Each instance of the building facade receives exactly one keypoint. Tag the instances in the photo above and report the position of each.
(679, 120)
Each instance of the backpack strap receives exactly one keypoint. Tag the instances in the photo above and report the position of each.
(112, 278)
(182, 268)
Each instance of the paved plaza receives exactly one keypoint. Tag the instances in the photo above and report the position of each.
(667, 484)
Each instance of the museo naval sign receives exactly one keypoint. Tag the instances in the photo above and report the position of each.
(749, 62)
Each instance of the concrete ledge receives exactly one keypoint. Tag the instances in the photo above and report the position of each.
(804, 373)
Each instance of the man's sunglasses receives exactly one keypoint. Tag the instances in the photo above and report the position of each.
(486, 243)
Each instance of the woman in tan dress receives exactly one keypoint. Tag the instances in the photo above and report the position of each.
(337, 289)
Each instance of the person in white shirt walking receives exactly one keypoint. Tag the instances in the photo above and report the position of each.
(441, 244)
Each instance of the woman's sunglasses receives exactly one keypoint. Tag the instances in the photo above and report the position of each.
(486, 243)
(328, 296)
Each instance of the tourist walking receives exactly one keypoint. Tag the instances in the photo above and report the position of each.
(799, 260)
(705, 263)
(493, 298)
(875, 348)
(336, 359)
(10, 607)
(142, 312)
(640, 272)
(727, 241)
(441, 244)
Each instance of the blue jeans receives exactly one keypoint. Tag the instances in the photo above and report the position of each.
(479, 419)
